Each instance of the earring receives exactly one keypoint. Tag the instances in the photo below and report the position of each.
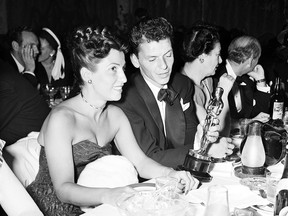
(89, 81)
(201, 60)
(51, 54)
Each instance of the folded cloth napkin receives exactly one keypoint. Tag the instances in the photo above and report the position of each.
(239, 196)
(23, 158)
(109, 171)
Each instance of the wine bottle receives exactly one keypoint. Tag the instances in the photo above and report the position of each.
(282, 189)
(277, 101)
(214, 108)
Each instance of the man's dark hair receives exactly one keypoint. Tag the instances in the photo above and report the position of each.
(15, 34)
(151, 29)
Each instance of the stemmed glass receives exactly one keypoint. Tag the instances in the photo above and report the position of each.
(65, 91)
(50, 91)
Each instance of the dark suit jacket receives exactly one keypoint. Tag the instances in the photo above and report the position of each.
(22, 109)
(248, 92)
(6, 56)
(140, 106)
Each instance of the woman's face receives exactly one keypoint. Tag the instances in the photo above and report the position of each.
(212, 60)
(45, 51)
(109, 77)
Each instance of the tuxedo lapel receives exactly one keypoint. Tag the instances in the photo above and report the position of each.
(175, 123)
(149, 100)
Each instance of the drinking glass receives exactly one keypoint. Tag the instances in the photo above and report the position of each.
(272, 180)
(243, 126)
(50, 91)
(65, 91)
(217, 203)
(166, 185)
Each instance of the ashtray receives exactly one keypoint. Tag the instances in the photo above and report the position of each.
(254, 183)
(201, 176)
(238, 171)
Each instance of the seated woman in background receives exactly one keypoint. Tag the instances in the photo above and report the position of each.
(201, 53)
(80, 130)
(52, 67)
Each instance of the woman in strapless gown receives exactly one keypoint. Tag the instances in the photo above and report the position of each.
(80, 130)
(83, 152)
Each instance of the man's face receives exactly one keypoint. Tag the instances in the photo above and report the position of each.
(29, 40)
(155, 60)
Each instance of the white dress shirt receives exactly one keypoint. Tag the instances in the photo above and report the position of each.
(161, 104)
(237, 96)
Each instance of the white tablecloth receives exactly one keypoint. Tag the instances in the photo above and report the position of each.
(223, 174)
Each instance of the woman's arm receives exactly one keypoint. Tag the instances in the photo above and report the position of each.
(147, 168)
(226, 82)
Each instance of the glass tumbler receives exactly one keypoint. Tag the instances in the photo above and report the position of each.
(217, 203)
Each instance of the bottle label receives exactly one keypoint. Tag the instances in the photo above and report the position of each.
(277, 112)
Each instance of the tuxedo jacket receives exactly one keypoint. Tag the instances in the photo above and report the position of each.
(140, 106)
(22, 109)
(248, 93)
(6, 56)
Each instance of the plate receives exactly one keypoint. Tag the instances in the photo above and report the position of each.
(265, 208)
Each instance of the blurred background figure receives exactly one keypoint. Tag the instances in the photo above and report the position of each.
(22, 109)
(23, 51)
(52, 67)
(250, 95)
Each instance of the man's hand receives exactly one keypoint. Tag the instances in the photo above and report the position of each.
(28, 58)
(221, 148)
(263, 117)
(212, 133)
(257, 73)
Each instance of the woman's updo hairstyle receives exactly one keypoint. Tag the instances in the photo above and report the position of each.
(88, 46)
(198, 40)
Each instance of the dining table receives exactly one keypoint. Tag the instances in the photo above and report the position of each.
(240, 194)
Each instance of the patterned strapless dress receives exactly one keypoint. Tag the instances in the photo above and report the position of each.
(42, 191)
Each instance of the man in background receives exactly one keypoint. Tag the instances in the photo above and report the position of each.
(23, 51)
(250, 95)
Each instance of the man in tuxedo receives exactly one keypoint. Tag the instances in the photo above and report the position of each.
(160, 109)
(23, 51)
(250, 95)
(22, 109)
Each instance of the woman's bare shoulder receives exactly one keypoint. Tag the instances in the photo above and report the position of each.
(114, 111)
(63, 115)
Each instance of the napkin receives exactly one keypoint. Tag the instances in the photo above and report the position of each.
(23, 158)
(239, 196)
(109, 171)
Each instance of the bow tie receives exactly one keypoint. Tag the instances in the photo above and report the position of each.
(168, 95)
(239, 79)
